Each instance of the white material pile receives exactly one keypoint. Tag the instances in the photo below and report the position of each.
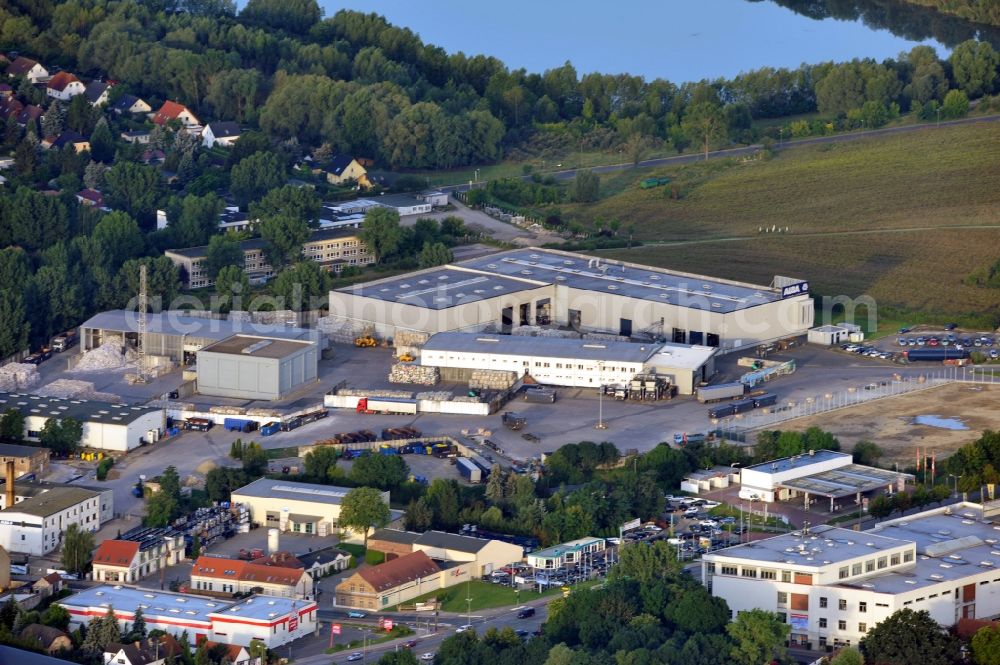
(106, 357)
(228, 410)
(18, 376)
(69, 388)
(606, 337)
(537, 331)
(339, 329)
(492, 379)
(411, 373)
(410, 338)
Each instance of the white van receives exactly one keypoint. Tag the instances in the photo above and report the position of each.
(748, 494)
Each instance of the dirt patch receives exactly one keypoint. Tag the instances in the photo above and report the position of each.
(889, 422)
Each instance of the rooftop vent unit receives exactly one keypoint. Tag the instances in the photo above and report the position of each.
(256, 346)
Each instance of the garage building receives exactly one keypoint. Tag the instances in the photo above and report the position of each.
(252, 367)
(534, 286)
(486, 555)
(116, 427)
(179, 336)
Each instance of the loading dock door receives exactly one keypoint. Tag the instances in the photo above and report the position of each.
(713, 339)
(696, 337)
(543, 313)
(506, 320)
(680, 336)
(574, 319)
(524, 311)
(625, 327)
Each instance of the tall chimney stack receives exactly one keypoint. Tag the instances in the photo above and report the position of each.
(10, 484)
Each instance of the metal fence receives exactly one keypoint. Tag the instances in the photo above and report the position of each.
(741, 425)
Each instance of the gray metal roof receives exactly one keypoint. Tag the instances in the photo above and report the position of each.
(798, 461)
(589, 273)
(78, 409)
(292, 491)
(821, 546)
(440, 288)
(395, 536)
(845, 481)
(452, 541)
(174, 323)
(256, 347)
(543, 347)
(52, 501)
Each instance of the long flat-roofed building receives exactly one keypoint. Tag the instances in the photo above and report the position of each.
(534, 286)
(833, 585)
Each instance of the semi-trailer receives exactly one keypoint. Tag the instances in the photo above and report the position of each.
(720, 392)
(935, 354)
(387, 405)
(721, 411)
(469, 470)
(540, 395)
(767, 399)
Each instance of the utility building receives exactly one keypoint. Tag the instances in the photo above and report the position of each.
(534, 286)
(249, 367)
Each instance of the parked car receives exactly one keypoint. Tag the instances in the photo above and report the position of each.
(355, 614)
(950, 326)
(426, 657)
(356, 656)
(463, 628)
(525, 612)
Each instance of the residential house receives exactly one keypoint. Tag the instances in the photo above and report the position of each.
(235, 653)
(130, 104)
(29, 113)
(50, 585)
(151, 651)
(135, 136)
(97, 92)
(174, 111)
(326, 561)
(6, 91)
(220, 133)
(91, 198)
(153, 157)
(393, 582)
(228, 577)
(331, 248)
(64, 87)
(67, 138)
(27, 68)
(48, 639)
(117, 561)
(342, 168)
(26, 459)
(138, 553)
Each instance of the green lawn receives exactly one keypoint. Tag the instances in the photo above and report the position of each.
(398, 630)
(902, 219)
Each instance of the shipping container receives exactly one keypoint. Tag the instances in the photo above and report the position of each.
(768, 399)
(721, 411)
(292, 423)
(239, 425)
(270, 428)
(540, 395)
(720, 392)
(470, 471)
(387, 405)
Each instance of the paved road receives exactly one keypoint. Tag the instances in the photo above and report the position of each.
(568, 174)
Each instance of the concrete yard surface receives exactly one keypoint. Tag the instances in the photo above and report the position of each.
(890, 422)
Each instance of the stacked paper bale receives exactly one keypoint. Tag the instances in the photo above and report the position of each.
(492, 379)
(338, 329)
(606, 337)
(435, 395)
(412, 373)
(228, 410)
(18, 376)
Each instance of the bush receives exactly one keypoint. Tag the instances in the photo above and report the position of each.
(103, 467)
(373, 558)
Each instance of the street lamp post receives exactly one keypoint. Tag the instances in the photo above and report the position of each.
(952, 475)
(600, 396)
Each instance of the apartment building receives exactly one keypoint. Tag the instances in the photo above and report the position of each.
(832, 585)
(333, 249)
(36, 524)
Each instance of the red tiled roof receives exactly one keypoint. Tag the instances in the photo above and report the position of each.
(232, 650)
(116, 553)
(169, 111)
(91, 195)
(279, 560)
(399, 571)
(235, 569)
(61, 80)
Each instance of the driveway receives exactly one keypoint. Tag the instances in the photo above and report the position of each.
(479, 221)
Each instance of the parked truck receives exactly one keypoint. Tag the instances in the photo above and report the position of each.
(767, 399)
(239, 425)
(540, 395)
(719, 392)
(387, 405)
(198, 424)
(64, 341)
(512, 421)
(469, 470)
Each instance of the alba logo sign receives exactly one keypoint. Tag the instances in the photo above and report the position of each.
(794, 289)
(293, 623)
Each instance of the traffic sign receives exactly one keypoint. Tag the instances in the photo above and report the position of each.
(335, 629)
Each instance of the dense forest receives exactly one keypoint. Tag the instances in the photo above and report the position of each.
(979, 11)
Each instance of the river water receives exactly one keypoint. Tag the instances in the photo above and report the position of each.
(679, 40)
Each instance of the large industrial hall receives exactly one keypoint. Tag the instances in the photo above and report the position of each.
(546, 287)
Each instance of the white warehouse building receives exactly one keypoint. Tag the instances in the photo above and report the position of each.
(571, 362)
(832, 585)
(533, 286)
(114, 427)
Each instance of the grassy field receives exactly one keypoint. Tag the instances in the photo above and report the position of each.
(893, 218)
(484, 596)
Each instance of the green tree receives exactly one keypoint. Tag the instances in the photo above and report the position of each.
(705, 123)
(435, 254)
(646, 564)
(13, 321)
(102, 143)
(56, 616)
(404, 657)
(223, 250)
(139, 623)
(11, 425)
(134, 188)
(955, 105)
(161, 509)
(867, 453)
(586, 187)
(382, 471)
(299, 202)
(880, 507)
(255, 176)
(974, 66)
(101, 632)
(284, 236)
(76, 549)
(163, 282)
(119, 238)
(907, 637)
(418, 516)
(197, 220)
(758, 637)
(321, 463)
(254, 460)
(363, 509)
(848, 656)
(296, 16)
(61, 436)
(380, 232)
(986, 646)
(301, 286)
(230, 283)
